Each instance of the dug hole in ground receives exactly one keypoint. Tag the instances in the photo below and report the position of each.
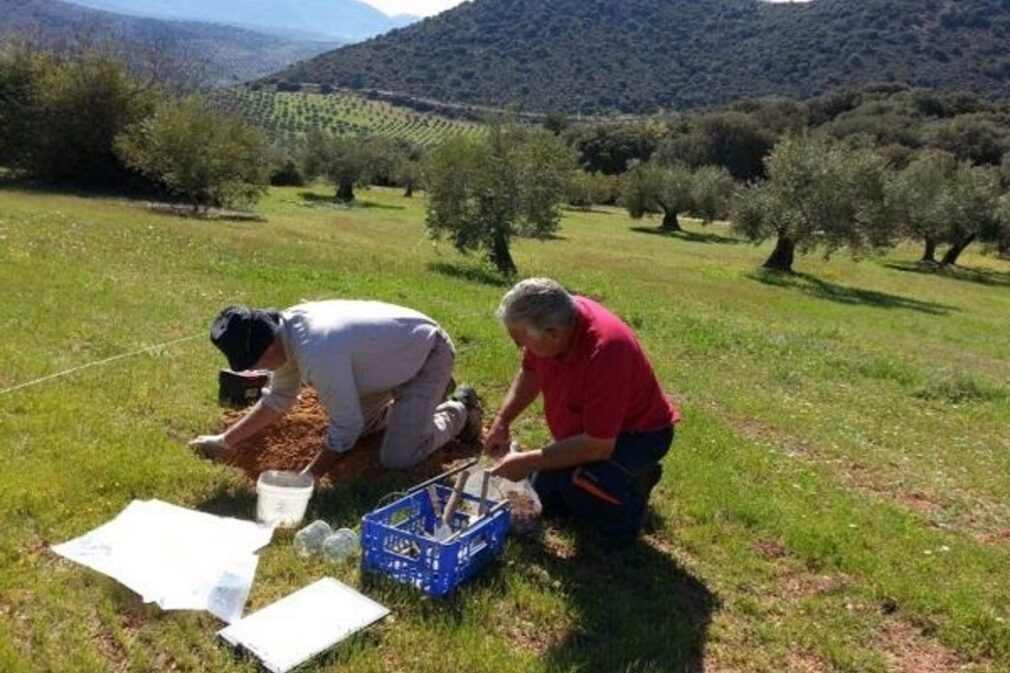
(291, 442)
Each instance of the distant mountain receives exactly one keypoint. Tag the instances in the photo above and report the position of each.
(634, 56)
(343, 20)
(216, 54)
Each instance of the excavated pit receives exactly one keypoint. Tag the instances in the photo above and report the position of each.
(294, 440)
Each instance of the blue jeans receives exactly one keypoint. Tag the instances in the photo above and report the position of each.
(610, 495)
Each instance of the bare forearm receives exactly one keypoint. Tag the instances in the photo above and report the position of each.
(521, 394)
(556, 456)
(573, 451)
(259, 418)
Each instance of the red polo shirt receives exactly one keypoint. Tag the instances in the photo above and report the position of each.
(604, 385)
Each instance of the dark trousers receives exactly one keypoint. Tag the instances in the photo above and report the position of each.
(610, 495)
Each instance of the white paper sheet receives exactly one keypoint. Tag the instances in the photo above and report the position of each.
(179, 558)
(300, 626)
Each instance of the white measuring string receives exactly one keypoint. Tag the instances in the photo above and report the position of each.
(74, 370)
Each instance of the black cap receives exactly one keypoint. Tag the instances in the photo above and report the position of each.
(244, 334)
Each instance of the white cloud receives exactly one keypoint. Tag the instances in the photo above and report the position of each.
(417, 7)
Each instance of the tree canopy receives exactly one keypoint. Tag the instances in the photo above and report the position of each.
(483, 192)
(819, 194)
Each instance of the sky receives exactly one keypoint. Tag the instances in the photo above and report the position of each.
(416, 7)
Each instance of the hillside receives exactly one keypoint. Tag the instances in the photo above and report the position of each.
(285, 115)
(595, 56)
(343, 20)
(217, 54)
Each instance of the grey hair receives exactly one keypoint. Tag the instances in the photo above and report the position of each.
(538, 304)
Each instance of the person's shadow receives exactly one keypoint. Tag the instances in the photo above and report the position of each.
(637, 609)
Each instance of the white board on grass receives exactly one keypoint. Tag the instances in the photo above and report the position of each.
(308, 622)
(176, 557)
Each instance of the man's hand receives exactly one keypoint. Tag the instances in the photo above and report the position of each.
(209, 446)
(516, 466)
(496, 443)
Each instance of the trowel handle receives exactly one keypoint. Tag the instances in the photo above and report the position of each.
(434, 480)
(483, 493)
(435, 503)
(457, 494)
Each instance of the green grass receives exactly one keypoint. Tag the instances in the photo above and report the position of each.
(844, 445)
(290, 114)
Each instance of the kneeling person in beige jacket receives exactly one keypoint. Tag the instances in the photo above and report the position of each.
(373, 366)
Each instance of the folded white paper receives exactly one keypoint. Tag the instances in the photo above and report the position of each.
(299, 626)
(179, 558)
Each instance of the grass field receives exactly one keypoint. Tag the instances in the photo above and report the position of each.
(286, 114)
(836, 500)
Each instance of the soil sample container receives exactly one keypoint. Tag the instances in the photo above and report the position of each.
(282, 497)
(240, 389)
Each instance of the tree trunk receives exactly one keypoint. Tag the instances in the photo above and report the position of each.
(670, 222)
(1004, 250)
(500, 255)
(956, 249)
(345, 191)
(782, 256)
(408, 191)
(929, 254)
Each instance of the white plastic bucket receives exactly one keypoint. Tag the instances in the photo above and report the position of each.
(282, 497)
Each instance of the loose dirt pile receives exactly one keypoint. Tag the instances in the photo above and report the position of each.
(294, 440)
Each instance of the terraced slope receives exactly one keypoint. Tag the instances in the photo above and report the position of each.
(286, 114)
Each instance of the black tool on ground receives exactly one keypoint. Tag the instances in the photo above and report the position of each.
(240, 389)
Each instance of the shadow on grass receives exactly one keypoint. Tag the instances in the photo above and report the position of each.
(636, 609)
(314, 199)
(972, 275)
(186, 211)
(544, 237)
(86, 191)
(471, 273)
(688, 236)
(154, 203)
(639, 610)
(590, 210)
(842, 294)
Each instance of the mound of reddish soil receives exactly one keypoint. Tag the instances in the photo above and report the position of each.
(293, 441)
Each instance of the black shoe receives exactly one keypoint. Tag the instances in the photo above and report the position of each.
(473, 429)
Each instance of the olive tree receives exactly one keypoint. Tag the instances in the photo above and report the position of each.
(584, 190)
(60, 116)
(916, 198)
(712, 189)
(969, 202)
(1003, 216)
(651, 188)
(203, 156)
(343, 161)
(484, 191)
(819, 194)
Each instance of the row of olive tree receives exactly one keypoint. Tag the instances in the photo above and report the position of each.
(85, 118)
(828, 195)
(348, 162)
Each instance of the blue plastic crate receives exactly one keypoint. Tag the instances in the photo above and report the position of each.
(397, 540)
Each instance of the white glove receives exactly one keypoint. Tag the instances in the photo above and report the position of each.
(209, 446)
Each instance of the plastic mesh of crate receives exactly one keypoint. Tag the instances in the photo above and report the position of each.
(398, 540)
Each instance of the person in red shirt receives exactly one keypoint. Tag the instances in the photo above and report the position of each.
(609, 417)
